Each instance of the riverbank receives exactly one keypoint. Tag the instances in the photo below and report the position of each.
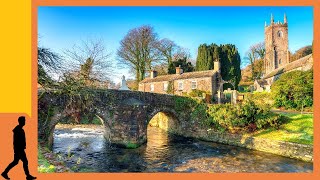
(282, 148)
(48, 162)
(298, 129)
(83, 149)
(293, 139)
(275, 141)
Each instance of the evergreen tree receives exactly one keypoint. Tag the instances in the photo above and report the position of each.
(228, 56)
(186, 66)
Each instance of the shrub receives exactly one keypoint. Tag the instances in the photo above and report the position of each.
(196, 93)
(294, 90)
(225, 116)
(262, 98)
(245, 116)
(271, 120)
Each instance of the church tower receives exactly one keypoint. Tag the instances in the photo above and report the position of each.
(276, 44)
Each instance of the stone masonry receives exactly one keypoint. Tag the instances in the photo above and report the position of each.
(124, 114)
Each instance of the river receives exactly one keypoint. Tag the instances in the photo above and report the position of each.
(84, 149)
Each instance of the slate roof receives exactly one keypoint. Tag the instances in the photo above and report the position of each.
(187, 75)
(293, 65)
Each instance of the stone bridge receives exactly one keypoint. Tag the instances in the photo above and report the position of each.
(125, 115)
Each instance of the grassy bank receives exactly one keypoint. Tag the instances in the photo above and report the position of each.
(298, 129)
(49, 162)
(43, 165)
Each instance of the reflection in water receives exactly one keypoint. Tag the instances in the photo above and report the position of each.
(85, 149)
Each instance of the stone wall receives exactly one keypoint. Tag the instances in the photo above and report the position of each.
(287, 149)
(124, 114)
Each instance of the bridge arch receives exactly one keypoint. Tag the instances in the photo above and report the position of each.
(60, 115)
(125, 115)
(171, 118)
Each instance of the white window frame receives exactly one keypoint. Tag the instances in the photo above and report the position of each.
(180, 85)
(165, 86)
(151, 87)
(196, 84)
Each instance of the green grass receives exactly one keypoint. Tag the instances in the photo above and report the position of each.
(43, 165)
(298, 129)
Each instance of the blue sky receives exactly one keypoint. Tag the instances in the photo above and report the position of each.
(62, 27)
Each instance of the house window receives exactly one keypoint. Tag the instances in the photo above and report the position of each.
(151, 87)
(180, 85)
(165, 86)
(194, 85)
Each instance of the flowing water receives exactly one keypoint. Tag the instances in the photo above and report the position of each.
(85, 149)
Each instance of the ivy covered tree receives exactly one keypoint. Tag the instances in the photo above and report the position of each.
(294, 90)
(228, 56)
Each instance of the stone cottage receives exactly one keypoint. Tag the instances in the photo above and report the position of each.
(182, 83)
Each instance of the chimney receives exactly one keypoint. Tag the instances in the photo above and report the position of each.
(216, 66)
(153, 74)
(179, 70)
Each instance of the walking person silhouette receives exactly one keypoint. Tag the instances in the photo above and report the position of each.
(19, 145)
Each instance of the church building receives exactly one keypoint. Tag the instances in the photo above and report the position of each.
(277, 57)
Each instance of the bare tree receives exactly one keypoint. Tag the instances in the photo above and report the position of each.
(138, 50)
(90, 59)
(255, 56)
(167, 48)
(162, 68)
(260, 49)
(49, 65)
(169, 52)
(182, 53)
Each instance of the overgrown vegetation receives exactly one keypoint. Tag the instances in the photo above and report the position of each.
(130, 145)
(170, 88)
(196, 93)
(294, 90)
(43, 165)
(246, 116)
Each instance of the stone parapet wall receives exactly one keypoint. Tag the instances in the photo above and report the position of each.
(124, 114)
(287, 149)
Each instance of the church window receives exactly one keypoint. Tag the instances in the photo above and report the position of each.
(279, 61)
(280, 34)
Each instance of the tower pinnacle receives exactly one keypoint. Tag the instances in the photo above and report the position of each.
(285, 18)
(272, 20)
